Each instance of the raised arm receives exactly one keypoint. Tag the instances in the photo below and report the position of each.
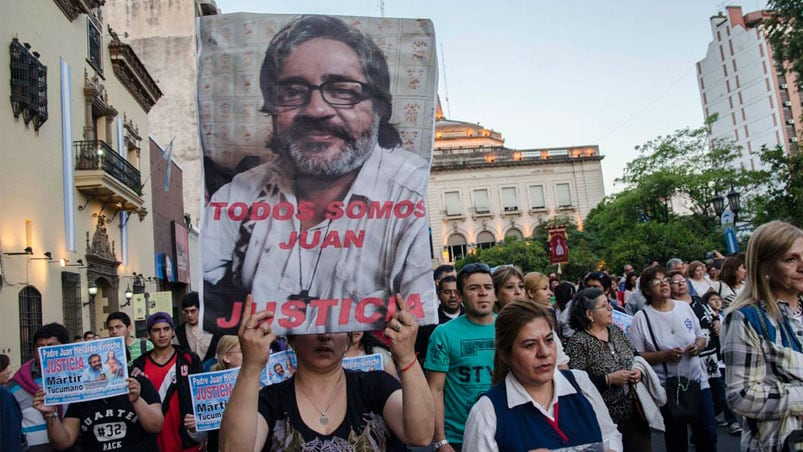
(408, 412)
(242, 427)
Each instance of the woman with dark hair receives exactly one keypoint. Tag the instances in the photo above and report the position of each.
(363, 343)
(323, 406)
(564, 293)
(731, 279)
(521, 411)
(508, 285)
(602, 350)
(631, 285)
(761, 347)
(5, 369)
(668, 335)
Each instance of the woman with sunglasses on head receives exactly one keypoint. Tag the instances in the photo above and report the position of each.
(508, 285)
(602, 350)
(533, 405)
(761, 346)
(668, 335)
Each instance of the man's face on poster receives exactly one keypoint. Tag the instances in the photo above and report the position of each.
(278, 369)
(94, 362)
(322, 139)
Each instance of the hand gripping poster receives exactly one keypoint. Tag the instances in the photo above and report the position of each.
(317, 136)
(83, 370)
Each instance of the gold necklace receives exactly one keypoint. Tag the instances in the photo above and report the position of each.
(324, 419)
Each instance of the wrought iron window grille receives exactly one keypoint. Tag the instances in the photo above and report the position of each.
(28, 84)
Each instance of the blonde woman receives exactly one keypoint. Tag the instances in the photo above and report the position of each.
(228, 353)
(761, 348)
(536, 286)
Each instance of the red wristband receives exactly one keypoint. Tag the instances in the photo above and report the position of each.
(409, 366)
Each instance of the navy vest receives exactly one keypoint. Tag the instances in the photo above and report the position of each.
(524, 427)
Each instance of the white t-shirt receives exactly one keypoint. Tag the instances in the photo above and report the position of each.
(678, 327)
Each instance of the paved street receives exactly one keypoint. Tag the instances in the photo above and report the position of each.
(725, 442)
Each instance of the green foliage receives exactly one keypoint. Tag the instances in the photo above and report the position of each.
(784, 31)
(533, 254)
(665, 209)
(783, 198)
(527, 254)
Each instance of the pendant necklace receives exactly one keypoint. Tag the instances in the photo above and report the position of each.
(324, 419)
(304, 294)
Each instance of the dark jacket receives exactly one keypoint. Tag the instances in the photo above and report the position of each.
(188, 360)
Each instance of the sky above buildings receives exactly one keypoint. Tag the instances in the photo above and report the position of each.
(561, 73)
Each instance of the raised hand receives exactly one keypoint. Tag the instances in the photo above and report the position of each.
(402, 329)
(255, 335)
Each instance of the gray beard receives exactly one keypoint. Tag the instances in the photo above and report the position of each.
(308, 159)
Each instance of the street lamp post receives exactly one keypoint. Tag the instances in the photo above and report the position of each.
(92, 290)
(128, 296)
(734, 202)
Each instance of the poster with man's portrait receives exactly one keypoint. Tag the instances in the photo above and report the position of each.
(317, 136)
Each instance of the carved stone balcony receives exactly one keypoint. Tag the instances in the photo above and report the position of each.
(74, 8)
(103, 174)
(132, 73)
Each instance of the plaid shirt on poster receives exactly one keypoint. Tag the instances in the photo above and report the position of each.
(765, 381)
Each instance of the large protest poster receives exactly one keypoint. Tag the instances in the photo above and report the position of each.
(83, 370)
(317, 136)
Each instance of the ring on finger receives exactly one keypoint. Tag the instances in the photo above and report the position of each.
(396, 326)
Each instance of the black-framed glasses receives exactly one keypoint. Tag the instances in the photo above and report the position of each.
(339, 93)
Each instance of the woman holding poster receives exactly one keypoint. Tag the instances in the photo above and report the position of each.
(126, 422)
(323, 404)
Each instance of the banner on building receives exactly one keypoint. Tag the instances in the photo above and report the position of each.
(327, 222)
(558, 248)
(83, 370)
(181, 251)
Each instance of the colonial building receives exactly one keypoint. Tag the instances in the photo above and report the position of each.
(76, 206)
(163, 33)
(756, 102)
(481, 191)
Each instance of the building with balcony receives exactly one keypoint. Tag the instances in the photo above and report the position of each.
(481, 191)
(75, 200)
(756, 102)
(163, 34)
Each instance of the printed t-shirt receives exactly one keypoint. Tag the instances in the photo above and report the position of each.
(464, 351)
(162, 377)
(362, 430)
(112, 423)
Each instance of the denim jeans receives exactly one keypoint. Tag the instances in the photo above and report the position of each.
(704, 430)
(720, 396)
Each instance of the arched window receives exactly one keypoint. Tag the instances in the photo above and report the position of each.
(514, 233)
(485, 240)
(30, 304)
(456, 247)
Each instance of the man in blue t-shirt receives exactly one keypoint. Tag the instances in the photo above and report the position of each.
(460, 356)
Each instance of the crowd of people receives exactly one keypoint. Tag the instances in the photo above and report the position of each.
(517, 361)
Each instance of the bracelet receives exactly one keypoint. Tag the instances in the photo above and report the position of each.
(409, 366)
(441, 443)
(607, 382)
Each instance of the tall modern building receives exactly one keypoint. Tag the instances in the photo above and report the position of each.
(481, 191)
(756, 102)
